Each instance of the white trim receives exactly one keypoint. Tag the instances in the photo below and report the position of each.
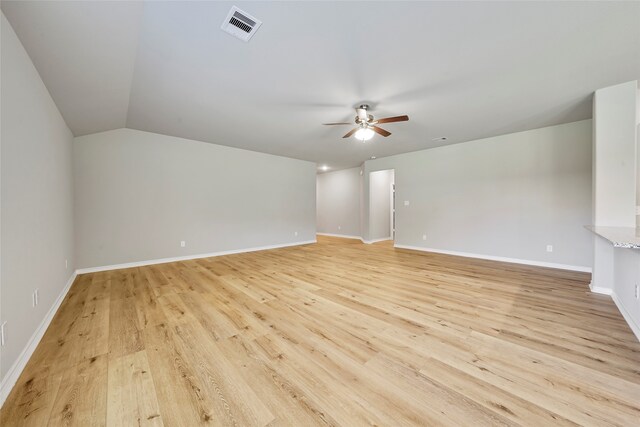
(14, 372)
(635, 328)
(499, 258)
(188, 257)
(600, 290)
(368, 242)
(344, 236)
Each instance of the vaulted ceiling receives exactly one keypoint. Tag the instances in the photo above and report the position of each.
(463, 70)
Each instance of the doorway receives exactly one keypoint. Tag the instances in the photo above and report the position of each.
(392, 210)
(382, 205)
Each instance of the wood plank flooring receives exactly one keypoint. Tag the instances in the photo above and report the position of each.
(335, 333)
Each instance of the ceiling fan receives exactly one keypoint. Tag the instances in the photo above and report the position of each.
(366, 124)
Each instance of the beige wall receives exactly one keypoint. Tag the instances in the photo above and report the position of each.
(638, 158)
(139, 194)
(338, 202)
(508, 196)
(37, 206)
(614, 154)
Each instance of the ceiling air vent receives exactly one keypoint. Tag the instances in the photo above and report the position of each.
(240, 24)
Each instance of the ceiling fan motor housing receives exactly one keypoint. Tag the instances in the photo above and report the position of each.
(360, 121)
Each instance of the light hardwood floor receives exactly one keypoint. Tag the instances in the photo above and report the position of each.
(335, 333)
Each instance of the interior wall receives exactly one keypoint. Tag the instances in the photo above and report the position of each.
(361, 199)
(338, 202)
(626, 276)
(614, 172)
(508, 196)
(139, 194)
(614, 179)
(638, 158)
(380, 204)
(37, 199)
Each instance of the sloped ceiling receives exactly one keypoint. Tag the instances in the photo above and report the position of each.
(85, 53)
(463, 70)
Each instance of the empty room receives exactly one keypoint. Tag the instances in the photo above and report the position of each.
(319, 213)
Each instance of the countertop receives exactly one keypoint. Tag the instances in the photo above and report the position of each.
(620, 237)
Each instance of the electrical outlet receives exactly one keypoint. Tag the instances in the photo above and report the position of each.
(66, 263)
(424, 237)
(406, 203)
(549, 248)
(183, 243)
(295, 233)
(2, 333)
(36, 296)
(339, 227)
(637, 292)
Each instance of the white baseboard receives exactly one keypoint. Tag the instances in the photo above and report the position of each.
(600, 290)
(344, 236)
(188, 257)
(498, 258)
(16, 369)
(368, 242)
(635, 328)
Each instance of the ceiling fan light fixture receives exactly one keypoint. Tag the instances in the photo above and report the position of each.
(366, 125)
(364, 134)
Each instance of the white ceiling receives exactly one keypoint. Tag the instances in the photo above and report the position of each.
(462, 70)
